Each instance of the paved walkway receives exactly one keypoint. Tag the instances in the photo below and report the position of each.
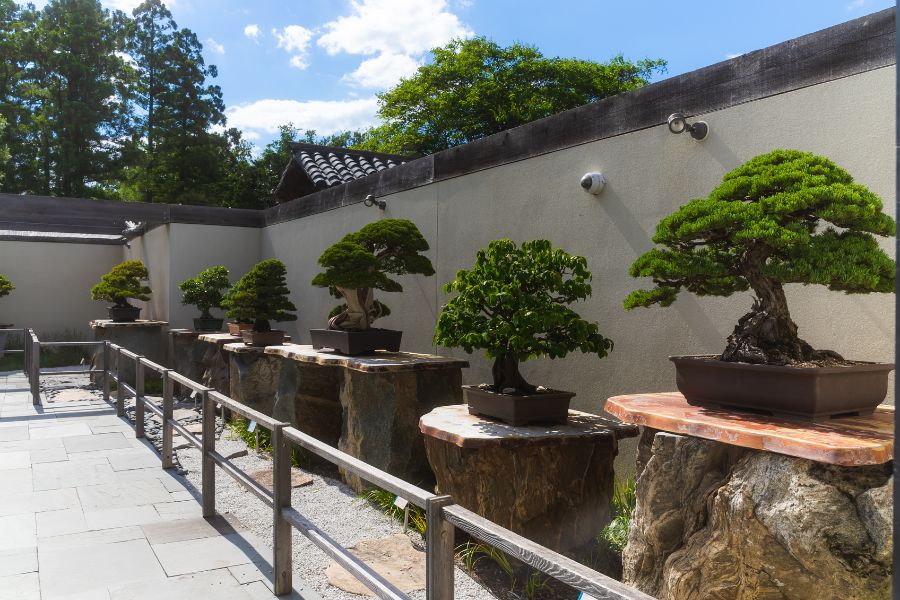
(86, 513)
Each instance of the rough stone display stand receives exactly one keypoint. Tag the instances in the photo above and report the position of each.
(215, 361)
(738, 505)
(146, 338)
(186, 355)
(550, 483)
(381, 399)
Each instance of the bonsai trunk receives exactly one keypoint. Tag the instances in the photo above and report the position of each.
(506, 375)
(261, 325)
(122, 303)
(360, 311)
(204, 313)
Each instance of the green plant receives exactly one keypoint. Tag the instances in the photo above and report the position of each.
(5, 286)
(471, 553)
(361, 262)
(535, 583)
(782, 217)
(384, 500)
(261, 296)
(624, 501)
(123, 282)
(513, 304)
(205, 289)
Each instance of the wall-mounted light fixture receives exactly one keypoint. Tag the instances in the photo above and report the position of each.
(678, 124)
(593, 183)
(371, 201)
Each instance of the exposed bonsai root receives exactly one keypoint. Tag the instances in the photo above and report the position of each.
(507, 376)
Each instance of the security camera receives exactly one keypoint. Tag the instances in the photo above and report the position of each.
(593, 183)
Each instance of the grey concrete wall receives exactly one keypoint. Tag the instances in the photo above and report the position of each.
(154, 250)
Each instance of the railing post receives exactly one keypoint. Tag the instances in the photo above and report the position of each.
(138, 397)
(35, 373)
(439, 547)
(208, 465)
(106, 367)
(26, 365)
(168, 385)
(281, 528)
(120, 389)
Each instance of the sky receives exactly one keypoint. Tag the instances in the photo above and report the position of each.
(319, 63)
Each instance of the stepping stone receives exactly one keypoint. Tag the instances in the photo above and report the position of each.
(394, 558)
(194, 427)
(264, 478)
(184, 413)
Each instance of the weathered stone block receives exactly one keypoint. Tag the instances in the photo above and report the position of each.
(308, 397)
(146, 338)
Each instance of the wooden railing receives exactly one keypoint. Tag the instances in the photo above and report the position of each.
(442, 515)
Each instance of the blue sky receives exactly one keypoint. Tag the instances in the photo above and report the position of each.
(319, 63)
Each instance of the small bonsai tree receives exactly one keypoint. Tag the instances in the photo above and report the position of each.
(783, 217)
(123, 282)
(513, 304)
(361, 262)
(5, 286)
(261, 296)
(205, 290)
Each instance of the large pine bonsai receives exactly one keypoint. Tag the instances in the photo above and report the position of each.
(205, 290)
(361, 262)
(261, 296)
(123, 282)
(5, 286)
(513, 304)
(783, 217)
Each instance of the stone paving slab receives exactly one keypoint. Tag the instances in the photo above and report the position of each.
(87, 513)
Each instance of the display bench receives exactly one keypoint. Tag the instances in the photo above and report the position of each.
(729, 501)
(146, 338)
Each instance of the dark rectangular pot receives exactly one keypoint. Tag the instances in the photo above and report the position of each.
(808, 393)
(263, 338)
(237, 328)
(124, 314)
(356, 342)
(551, 407)
(201, 324)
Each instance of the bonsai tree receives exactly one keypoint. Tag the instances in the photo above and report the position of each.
(361, 262)
(782, 217)
(261, 296)
(122, 283)
(5, 286)
(513, 304)
(205, 290)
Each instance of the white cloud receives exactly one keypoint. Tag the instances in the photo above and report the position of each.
(325, 116)
(252, 32)
(215, 46)
(295, 40)
(856, 4)
(734, 55)
(383, 71)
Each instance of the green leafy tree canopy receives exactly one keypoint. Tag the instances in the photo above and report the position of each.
(361, 262)
(261, 296)
(205, 290)
(514, 305)
(783, 217)
(6, 286)
(123, 282)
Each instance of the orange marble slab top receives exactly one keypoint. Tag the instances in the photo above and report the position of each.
(847, 441)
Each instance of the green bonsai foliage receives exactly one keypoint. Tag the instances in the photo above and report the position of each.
(783, 217)
(261, 296)
(361, 262)
(5, 286)
(513, 304)
(123, 282)
(205, 290)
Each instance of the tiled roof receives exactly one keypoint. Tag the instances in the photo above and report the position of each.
(315, 167)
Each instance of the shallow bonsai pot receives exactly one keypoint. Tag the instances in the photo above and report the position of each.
(551, 406)
(237, 328)
(124, 314)
(809, 393)
(201, 324)
(356, 342)
(263, 338)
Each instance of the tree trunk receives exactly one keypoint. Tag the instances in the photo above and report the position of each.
(360, 312)
(506, 375)
(262, 325)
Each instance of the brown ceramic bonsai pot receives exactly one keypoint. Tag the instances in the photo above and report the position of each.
(212, 324)
(237, 328)
(809, 393)
(356, 342)
(124, 314)
(263, 338)
(550, 407)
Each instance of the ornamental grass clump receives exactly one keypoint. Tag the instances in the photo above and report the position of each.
(361, 262)
(513, 304)
(261, 296)
(123, 282)
(205, 290)
(783, 217)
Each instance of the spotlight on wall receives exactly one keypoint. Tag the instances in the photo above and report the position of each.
(678, 124)
(593, 183)
(371, 201)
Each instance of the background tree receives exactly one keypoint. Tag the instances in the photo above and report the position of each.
(261, 296)
(782, 217)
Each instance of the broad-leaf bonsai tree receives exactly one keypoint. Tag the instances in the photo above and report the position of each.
(261, 296)
(514, 305)
(121, 284)
(205, 291)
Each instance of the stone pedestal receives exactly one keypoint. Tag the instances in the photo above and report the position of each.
(216, 373)
(253, 377)
(382, 397)
(552, 484)
(186, 354)
(146, 338)
(719, 518)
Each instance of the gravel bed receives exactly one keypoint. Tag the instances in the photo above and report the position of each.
(326, 502)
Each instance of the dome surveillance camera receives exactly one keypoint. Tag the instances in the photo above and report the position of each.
(593, 183)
